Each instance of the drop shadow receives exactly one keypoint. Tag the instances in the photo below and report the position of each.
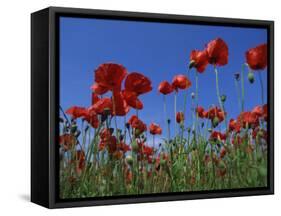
(25, 197)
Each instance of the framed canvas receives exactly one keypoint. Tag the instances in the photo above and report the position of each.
(139, 107)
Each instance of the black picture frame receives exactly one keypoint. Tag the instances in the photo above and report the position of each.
(44, 106)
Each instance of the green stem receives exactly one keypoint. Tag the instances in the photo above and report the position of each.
(242, 87)
(175, 107)
(238, 94)
(261, 84)
(115, 118)
(219, 96)
(196, 98)
(185, 97)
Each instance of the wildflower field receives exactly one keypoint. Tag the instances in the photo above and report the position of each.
(197, 148)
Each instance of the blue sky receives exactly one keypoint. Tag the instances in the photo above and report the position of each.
(157, 50)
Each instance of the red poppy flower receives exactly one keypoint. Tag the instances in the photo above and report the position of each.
(112, 144)
(132, 99)
(216, 135)
(162, 156)
(236, 140)
(77, 112)
(180, 117)
(155, 129)
(199, 60)
(257, 57)
(201, 112)
(138, 83)
(264, 114)
(120, 106)
(110, 76)
(101, 105)
(217, 52)
(181, 82)
(92, 118)
(216, 112)
(248, 118)
(107, 140)
(99, 89)
(165, 88)
(258, 110)
(261, 133)
(234, 125)
(129, 176)
(80, 157)
(145, 150)
(123, 147)
(67, 141)
(222, 152)
(136, 123)
(95, 98)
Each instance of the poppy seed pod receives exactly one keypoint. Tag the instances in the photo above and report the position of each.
(73, 128)
(191, 64)
(251, 77)
(210, 130)
(61, 120)
(127, 126)
(129, 160)
(192, 95)
(215, 121)
(223, 98)
(202, 124)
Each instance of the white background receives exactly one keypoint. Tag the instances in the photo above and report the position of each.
(15, 106)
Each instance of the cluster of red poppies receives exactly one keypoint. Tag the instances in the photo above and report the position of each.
(109, 77)
(179, 82)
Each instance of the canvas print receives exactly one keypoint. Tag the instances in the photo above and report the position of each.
(151, 108)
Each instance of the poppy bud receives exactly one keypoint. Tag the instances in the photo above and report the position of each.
(127, 126)
(106, 111)
(77, 133)
(202, 124)
(223, 98)
(111, 130)
(191, 64)
(215, 121)
(251, 77)
(73, 128)
(103, 117)
(168, 121)
(210, 130)
(137, 132)
(121, 137)
(61, 120)
(237, 76)
(129, 160)
(192, 95)
(188, 130)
